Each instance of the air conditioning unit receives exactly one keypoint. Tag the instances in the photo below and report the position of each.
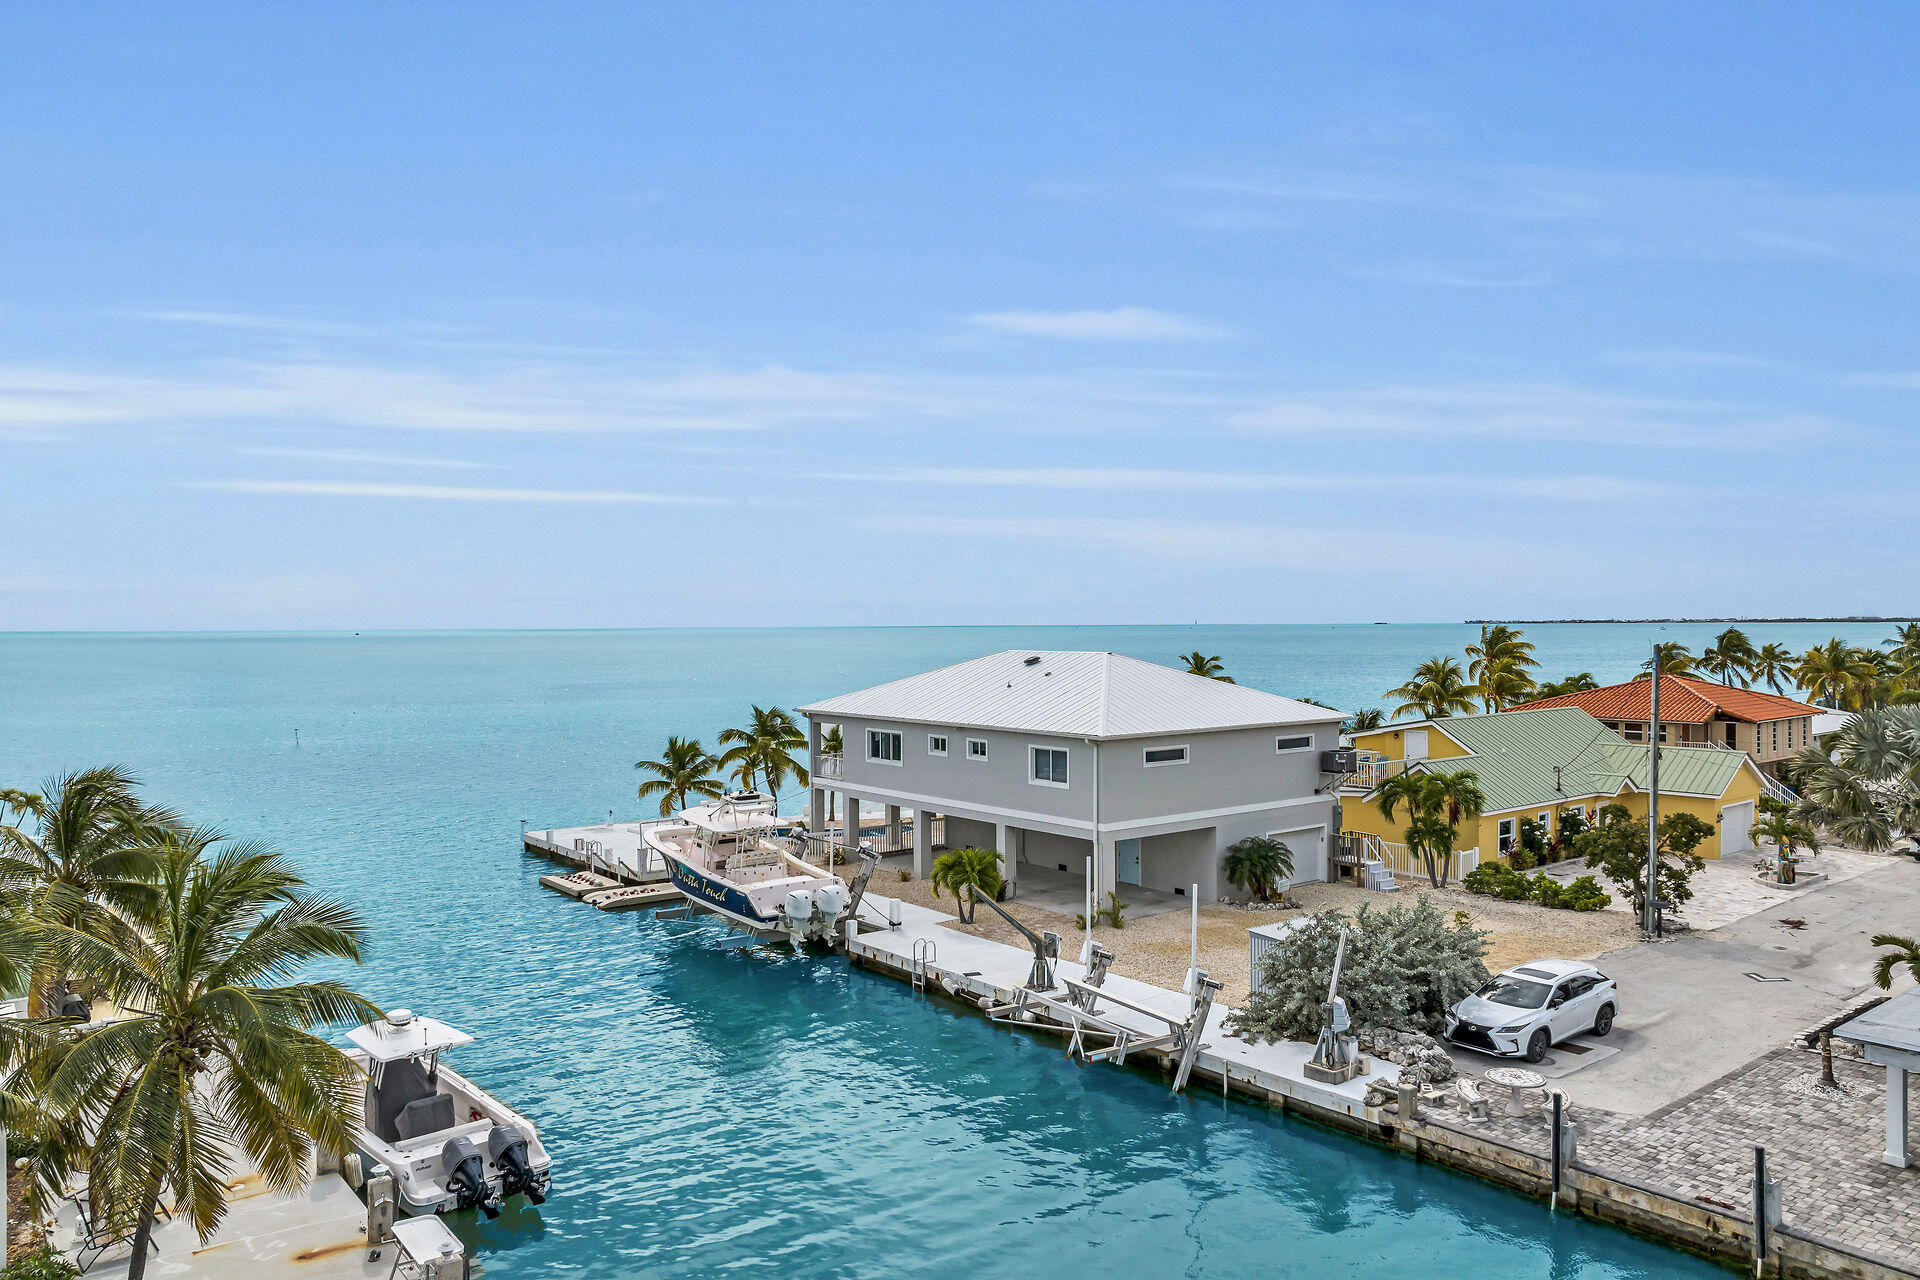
(1344, 761)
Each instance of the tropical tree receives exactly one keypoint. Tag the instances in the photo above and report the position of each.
(217, 1057)
(1363, 721)
(84, 865)
(1772, 663)
(957, 870)
(765, 749)
(1616, 845)
(1731, 657)
(683, 770)
(1865, 789)
(1200, 664)
(1436, 804)
(1502, 684)
(1499, 645)
(1786, 834)
(1258, 863)
(1438, 688)
(1831, 672)
(1675, 659)
(20, 804)
(1904, 954)
(832, 741)
(1582, 683)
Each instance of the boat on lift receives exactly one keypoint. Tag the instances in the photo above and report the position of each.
(449, 1144)
(728, 858)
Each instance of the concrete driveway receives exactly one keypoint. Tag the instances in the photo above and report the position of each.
(1690, 1012)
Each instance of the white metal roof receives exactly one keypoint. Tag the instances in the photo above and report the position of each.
(1071, 694)
(405, 1035)
(1893, 1025)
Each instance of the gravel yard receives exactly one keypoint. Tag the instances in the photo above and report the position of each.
(1155, 949)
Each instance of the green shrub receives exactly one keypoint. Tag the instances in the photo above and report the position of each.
(1545, 890)
(1497, 880)
(41, 1264)
(1585, 894)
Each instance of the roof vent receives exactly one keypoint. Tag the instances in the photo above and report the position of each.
(1033, 661)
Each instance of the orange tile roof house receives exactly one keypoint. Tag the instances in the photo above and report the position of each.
(1767, 726)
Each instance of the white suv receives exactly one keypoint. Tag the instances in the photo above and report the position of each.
(1532, 1007)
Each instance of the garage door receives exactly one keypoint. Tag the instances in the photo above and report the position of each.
(1309, 848)
(1736, 824)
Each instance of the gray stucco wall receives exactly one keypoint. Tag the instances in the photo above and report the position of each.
(999, 782)
(1236, 767)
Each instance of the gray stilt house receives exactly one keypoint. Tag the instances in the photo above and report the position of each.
(1049, 757)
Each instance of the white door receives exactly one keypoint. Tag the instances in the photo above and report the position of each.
(1416, 744)
(1736, 828)
(1126, 861)
(1308, 845)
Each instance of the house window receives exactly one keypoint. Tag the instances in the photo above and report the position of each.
(1634, 732)
(1730, 734)
(1506, 835)
(1612, 724)
(1663, 733)
(1164, 755)
(883, 746)
(1776, 735)
(1293, 742)
(976, 748)
(936, 744)
(1049, 767)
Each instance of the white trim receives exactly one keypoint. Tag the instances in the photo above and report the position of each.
(893, 733)
(1145, 763)
(1306, 745)
(941, 750)
(1033, 781)
(981, 755)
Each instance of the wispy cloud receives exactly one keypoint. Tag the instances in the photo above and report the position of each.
(1435, 276)
(1546, 412)
(1125, 324)
(294, 326)
(447, 493)
(1560, 487)
(364, 458)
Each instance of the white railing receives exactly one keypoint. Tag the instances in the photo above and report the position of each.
(828, 767)
(1403, 861)
(1370, 771)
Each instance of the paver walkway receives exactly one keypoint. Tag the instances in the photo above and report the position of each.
(1725, 891)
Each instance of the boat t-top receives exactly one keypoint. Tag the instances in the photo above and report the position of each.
(448, 1143)
(727, 858)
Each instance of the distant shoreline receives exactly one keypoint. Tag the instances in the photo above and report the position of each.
(1547, 622)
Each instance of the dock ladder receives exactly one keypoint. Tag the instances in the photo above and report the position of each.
(926, 953)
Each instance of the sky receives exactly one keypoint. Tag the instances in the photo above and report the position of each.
(660, 315)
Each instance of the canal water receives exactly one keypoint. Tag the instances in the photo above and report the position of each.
(712, 1108)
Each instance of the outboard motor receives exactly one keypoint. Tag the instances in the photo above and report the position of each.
(507, 1148)
(467, 1176)
(75, 1006)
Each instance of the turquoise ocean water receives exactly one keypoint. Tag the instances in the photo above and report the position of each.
(713, 1109)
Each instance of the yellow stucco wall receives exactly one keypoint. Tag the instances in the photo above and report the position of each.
(1391, 743)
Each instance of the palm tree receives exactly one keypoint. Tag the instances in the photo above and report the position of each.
(957, 870)
(218, 1053)
(1905, 954)
(1459, 796)
(1258, 863)
(1906, 645)
(1786, 834)
(1731, 657)
(1363, 721)
(764, 748)
(1499, 645)
(1438, 688)
(1502, 684)
(683, 770)
(1675, 659)
(22, 804)
(1432, 801)
(1772, 663)
(84, 866)
(1431, 838)
(1199, 664)
(1867, 789)
(1582, 683)
(1830, 671)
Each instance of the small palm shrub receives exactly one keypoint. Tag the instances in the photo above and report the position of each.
(958, 869)
(41, 1264)
(1257, 864)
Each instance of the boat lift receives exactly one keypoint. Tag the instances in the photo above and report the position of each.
(1080, 1008)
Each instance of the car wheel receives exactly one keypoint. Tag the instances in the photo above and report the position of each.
(1537, 1045)
(1603, 1023)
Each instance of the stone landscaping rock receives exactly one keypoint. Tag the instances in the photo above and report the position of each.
(1421, 1058)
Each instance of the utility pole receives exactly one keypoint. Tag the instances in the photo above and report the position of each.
(1653, 800)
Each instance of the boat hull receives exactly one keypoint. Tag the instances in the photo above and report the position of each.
(719, 896)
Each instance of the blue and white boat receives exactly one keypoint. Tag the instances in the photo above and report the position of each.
(726, 857)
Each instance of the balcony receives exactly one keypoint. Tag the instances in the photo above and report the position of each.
(828, 767)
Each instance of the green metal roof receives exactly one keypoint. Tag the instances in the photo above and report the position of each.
(1514, 754)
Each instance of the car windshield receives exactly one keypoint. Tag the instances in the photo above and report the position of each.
(1514, 992)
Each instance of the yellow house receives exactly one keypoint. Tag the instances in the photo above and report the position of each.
(1543, 763)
